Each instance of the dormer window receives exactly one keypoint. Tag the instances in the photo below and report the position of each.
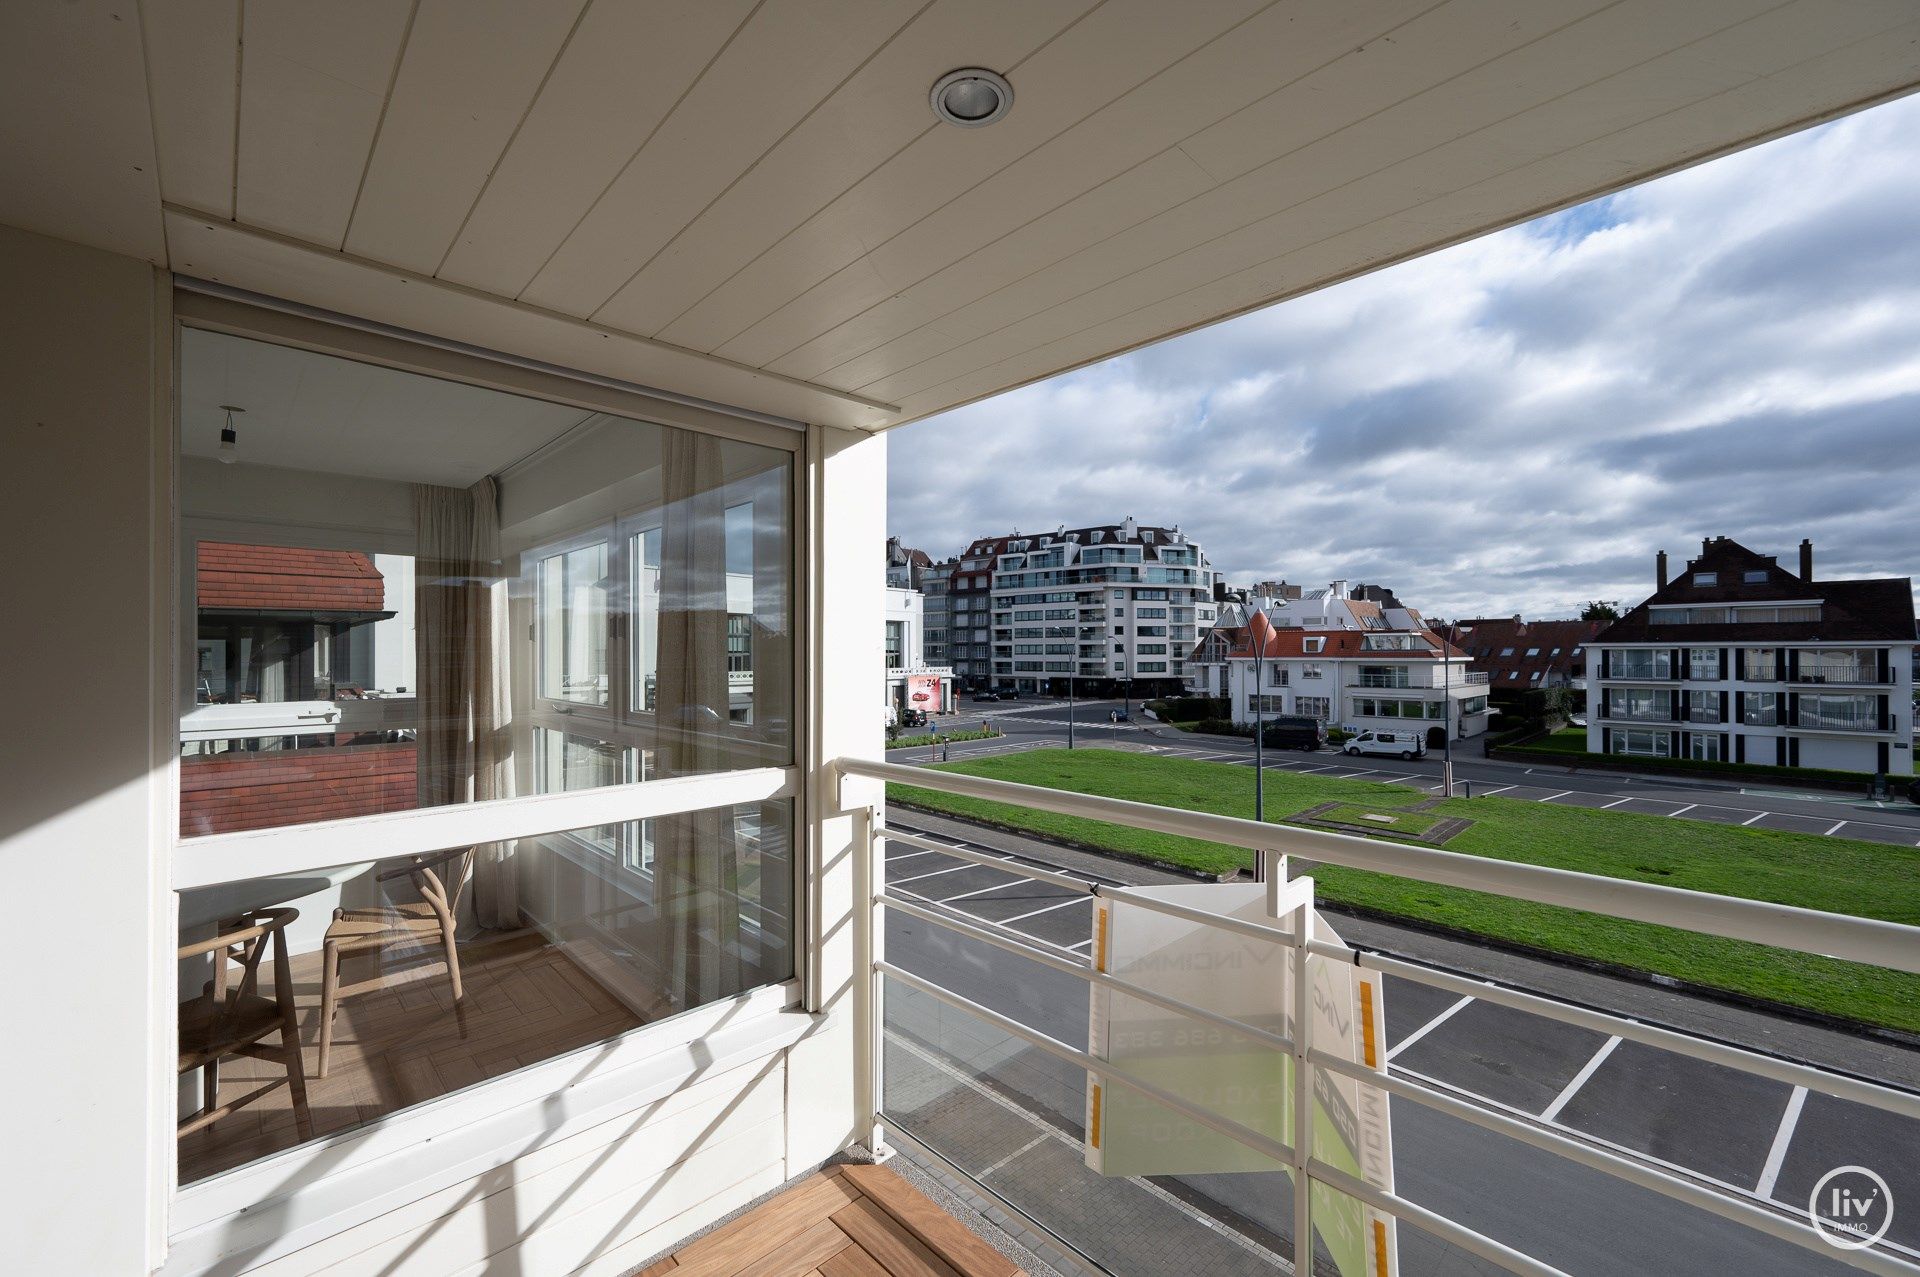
(1314, 645)
(1147, 537)
(1098, 537)
(1756, 577)
(1706, 578)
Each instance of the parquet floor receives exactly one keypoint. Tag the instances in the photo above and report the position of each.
(847, 1221)
(399, 1045)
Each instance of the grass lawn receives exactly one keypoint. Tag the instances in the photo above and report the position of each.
(1835, 874)
(1379, 817)
(1568, 740)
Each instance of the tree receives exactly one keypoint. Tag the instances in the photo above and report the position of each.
(1601, 610)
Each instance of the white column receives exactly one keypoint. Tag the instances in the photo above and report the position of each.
(84, 802)
(828, 1074)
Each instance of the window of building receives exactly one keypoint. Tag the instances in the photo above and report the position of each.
(1754, 576)
(1313, 644)
(1506, 651)
(1313, 706)
(1533, 651)
(1703, 746)
(1151, 667)
(1267, 704)
(896, 643)
(1760, 709)
(1706, 578)
(397, 632)
(1838, 713)
(1650, 744)
(1703, 663)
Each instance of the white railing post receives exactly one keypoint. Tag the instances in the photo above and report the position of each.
(1302, 1141)
(872, 880)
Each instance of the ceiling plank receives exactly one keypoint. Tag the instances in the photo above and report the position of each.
(193, 62)
(723, 126)
(864, 123)
(471, 70)
(279, 266)
(1271, 54)
(313, 82)
(630, 61)
(1113, 50)
(77, 148)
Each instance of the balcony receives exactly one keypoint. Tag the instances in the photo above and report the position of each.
(1842, 676)
(995, 1079)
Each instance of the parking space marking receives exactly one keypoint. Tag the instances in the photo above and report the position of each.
(1428, 1027)
(1579, 1080)
(1615, 803)
(901, 882)
(1084, 944)
(1550, 797)
(1013, 880)
(1758, 815)
(1497, 789)
(1683, 811)
(1838, 825)
(1061, 904)
(1326, 767)
(1777, 1155)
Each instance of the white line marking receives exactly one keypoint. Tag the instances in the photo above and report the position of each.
(1836, 829)
(965, 895)
(1084, 944)
(1615, 803)
(901, 882)
(1428, 1027)
(1579, 1079)
(1777, 1155)
(1061, 904)
(1325, 768)
(1364, 771)
(895, 857)
(1497, 789)
(1550, 797)
(1683, 811)
(1758, 815)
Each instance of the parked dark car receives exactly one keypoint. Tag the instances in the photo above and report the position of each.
(1294, 732)
(913, 718)
(986, 696)
(1009, 693)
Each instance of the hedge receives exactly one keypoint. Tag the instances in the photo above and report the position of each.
(1687, 766)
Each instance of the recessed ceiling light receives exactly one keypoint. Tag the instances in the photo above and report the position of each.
(972, 97)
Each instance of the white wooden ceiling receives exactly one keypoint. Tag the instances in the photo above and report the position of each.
(752, 202)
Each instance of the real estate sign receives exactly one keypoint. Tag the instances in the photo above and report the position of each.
(1236, 1077)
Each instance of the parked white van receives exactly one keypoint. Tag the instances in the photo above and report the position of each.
(1404, 744)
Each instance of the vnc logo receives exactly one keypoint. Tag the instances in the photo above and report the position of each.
(1851, 1207)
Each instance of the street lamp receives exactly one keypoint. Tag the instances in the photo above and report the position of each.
(1067, 631)
(1259, 747)
(1446, 721)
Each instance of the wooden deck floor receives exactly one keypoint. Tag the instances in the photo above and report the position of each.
(406, 1043)
(847, 1221)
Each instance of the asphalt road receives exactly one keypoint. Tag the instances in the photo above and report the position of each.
(969, 1089)
(1043, 725)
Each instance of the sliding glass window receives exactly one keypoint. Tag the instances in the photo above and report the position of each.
(403, 593)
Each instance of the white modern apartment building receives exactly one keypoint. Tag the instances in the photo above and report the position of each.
(545, 298)
(914, 681)
(1117, 604)
(1347, 661)
(1738, 659)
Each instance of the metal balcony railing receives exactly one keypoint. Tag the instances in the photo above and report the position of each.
(1876, 943)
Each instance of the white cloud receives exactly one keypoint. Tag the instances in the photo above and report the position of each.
(1515, 424)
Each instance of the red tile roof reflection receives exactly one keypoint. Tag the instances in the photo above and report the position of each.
(232, 577)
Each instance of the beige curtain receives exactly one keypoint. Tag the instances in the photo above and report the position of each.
(696, 862)
(460, 643)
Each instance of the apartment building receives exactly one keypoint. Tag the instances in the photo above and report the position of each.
(1347, 661)
(1737, 659)
(914, 679)
(1117, 604)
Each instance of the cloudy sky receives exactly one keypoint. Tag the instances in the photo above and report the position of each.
(1518, 423)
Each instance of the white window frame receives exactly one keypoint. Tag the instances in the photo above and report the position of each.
(326, 1184)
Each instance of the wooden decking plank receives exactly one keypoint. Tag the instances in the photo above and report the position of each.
(766, 1227)
(802, 1254)
(898, 1251)
(854, 1261)
(941, 1232)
